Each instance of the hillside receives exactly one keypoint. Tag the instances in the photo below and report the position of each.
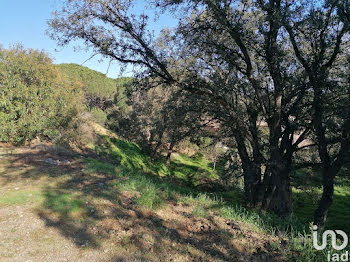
(90, 194)
(101, 92)
(228, 141)
(94, 83)
(115, 204)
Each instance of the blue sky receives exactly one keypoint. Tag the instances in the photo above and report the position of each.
(25, 22)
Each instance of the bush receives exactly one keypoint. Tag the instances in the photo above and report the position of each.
(35, 100)
(186, 147)
(79, 134)
(99, 115)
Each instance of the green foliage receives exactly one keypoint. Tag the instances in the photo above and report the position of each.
(150, 196)
(34, 99)
(124, 90)
(186, 147)
(95, 84)
(99, 115)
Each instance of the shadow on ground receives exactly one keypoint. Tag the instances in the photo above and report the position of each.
(123, 198)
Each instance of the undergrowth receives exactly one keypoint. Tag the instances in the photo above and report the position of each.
(156, 184)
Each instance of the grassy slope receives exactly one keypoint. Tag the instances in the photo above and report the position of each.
(124, 203)
(305, 202)
(158, 184)
(122, 179)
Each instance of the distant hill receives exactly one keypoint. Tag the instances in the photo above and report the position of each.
(96, 84)
(101, 92)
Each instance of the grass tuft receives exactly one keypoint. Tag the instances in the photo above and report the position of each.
(150, 197)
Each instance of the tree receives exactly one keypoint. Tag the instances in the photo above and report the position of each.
(319, 39)
(183, 117)
(159, 118)
(240, 56)
(252, 76)
(129, 42)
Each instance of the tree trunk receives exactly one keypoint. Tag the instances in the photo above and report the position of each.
(278, 197)
(170, 151)
(251, 171)
(320, 214)
(251, 187)
(274, 193)
(326, 200)
(329, 169)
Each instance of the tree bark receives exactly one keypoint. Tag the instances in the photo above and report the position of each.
(251, 172)
(170, 151)
(278, 197)
(321, 212)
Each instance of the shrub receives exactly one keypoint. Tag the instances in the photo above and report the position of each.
(99, 115)
(35, 100)
(80, 134)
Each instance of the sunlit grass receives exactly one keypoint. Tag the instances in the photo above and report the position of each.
(94, 165)
(200, 212)
(192, 169)
(63, 203)
(21, 197)
(202, 200)
(151, 196)
(305, 203)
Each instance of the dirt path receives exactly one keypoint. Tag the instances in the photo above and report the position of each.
(24, 235)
